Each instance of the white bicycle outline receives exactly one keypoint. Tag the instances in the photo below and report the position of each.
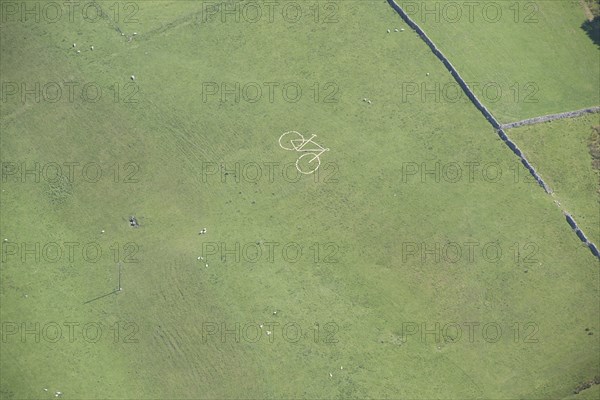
(299, 145)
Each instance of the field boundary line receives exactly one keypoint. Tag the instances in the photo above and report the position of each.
(107, 17)
(491, 119)
(551, 117)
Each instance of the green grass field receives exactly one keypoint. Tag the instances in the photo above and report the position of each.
(355, 301)
(524, 58)
(559, 150)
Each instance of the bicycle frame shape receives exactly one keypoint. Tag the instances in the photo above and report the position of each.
(309, 162)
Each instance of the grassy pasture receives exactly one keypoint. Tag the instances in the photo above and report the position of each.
(363, 203)
(559, 150)
(524, 58)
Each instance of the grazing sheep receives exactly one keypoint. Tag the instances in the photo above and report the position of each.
(396, 30)
(133, 77)
(388, 31)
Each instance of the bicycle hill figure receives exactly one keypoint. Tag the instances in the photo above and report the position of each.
(309, 162)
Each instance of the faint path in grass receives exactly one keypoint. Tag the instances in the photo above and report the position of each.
(492, 120)
(191, 17)
(551, 117)
(106, 16)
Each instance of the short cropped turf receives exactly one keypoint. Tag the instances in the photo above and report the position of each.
(560, 151)
(521, 58)
(391, 242)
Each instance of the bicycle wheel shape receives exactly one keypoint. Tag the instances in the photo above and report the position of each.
(287, 140)
(308, 163)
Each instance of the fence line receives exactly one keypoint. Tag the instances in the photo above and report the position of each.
(551, 117)
(488, 115)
